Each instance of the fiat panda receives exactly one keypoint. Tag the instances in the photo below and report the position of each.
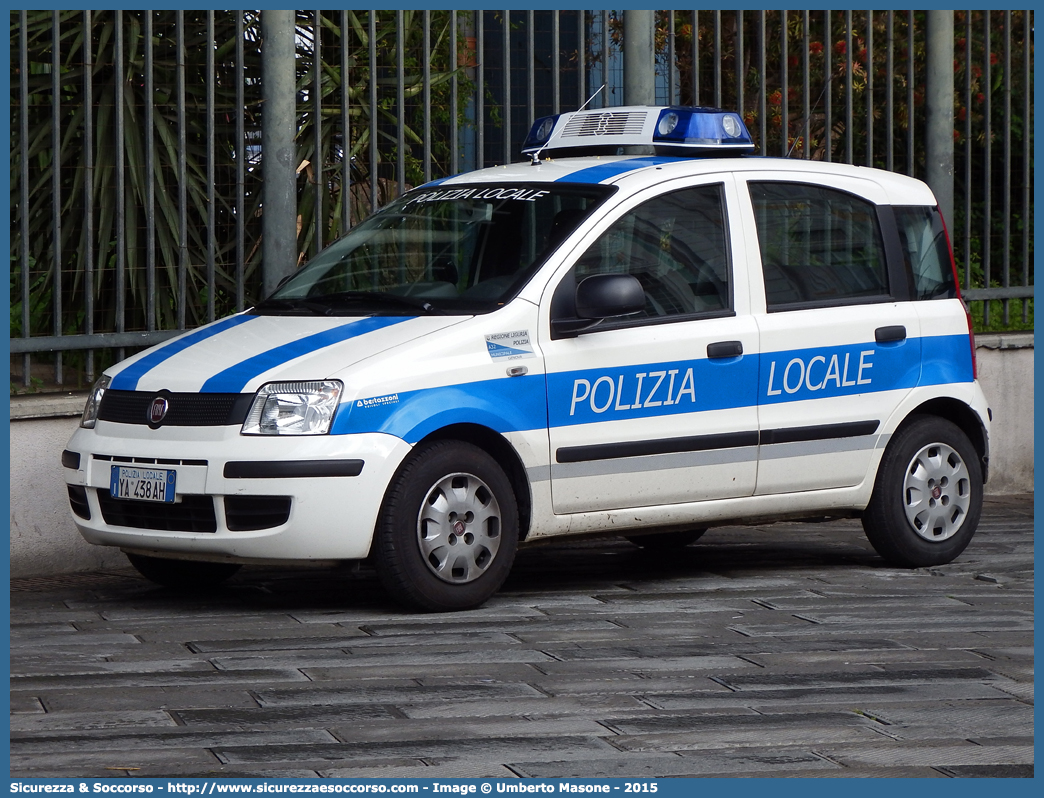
(640, 329)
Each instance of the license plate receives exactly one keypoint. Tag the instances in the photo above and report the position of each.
(143, 484)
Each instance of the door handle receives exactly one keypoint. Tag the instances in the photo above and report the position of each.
(725, 349)
(884, 335)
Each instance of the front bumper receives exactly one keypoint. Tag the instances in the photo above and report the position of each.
(310, 495)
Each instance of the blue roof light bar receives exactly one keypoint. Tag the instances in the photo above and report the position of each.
(675, 130)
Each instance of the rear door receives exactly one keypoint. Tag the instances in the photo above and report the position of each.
(840, 341)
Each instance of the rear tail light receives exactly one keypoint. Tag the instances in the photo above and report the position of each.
(971, 343)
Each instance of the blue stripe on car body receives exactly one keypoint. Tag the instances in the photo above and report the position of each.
(559, 399)
(611, 169)
(946, 359)
(235, 378)
(436, 182)
(830, 371)
(507, 404)
(127, 380)
(648, 390)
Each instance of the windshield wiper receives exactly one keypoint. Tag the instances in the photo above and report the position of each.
(326, 304)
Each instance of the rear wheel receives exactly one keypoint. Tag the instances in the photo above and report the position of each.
(182, 574)
(928, 495)
(448, 529)
(666, 541)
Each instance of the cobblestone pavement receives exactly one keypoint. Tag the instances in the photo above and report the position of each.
(785, 650)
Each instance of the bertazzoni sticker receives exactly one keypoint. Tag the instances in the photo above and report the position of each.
(509, 345)
(378, 401)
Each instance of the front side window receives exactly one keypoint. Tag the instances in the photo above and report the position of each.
(675, 245)
(818, 245)
(926, 252)
(445, 249)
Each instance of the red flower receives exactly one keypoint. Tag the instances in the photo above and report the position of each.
(793, 61)
(961, 42)
(976, 71)
(962, 114)
(815, 48)
(862, 55)
(839, 48)
(994, 58)
(750, 118)
(980, 97)
(776, 97)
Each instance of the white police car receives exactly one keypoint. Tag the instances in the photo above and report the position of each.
(644, 345)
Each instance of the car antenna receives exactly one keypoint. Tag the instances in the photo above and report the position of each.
(808, 118)
(536, 155)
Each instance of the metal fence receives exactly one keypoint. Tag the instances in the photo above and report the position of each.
(136, 171)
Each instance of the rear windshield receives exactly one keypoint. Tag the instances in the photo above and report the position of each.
(460, 249)
(926, 252)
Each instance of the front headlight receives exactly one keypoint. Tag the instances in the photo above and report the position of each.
(293, 408)
(90, 410)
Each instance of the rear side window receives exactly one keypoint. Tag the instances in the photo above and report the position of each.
(819, 246)
(926, 252)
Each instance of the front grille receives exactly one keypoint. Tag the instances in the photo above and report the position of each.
(606, 123)
(115, 458)
(247, 513)
(191, 514)
(184, 409)
(78, 501)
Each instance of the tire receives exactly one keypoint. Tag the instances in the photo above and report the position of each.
(928, 495)
(448, 529)
(666, 541)
(182, 574)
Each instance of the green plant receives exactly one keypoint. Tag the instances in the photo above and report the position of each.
(90, 255)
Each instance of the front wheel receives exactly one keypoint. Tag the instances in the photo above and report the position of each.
(928, 496)
(448, 529)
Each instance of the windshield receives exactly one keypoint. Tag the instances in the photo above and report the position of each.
(444, 249)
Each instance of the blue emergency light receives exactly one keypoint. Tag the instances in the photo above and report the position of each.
(677, 130)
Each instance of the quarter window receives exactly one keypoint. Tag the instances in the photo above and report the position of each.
(675, 246)
(819, 246)
(926, 252)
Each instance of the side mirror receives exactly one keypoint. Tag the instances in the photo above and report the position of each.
(598, 297)
(606, 296)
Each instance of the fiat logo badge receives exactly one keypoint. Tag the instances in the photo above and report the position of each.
(158, 410)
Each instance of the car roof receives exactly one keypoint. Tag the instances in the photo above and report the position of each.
(638, 171)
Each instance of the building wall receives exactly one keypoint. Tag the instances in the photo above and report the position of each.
(44, 540)
(1006, 374)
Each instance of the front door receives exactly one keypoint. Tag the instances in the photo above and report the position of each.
(660, 407)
